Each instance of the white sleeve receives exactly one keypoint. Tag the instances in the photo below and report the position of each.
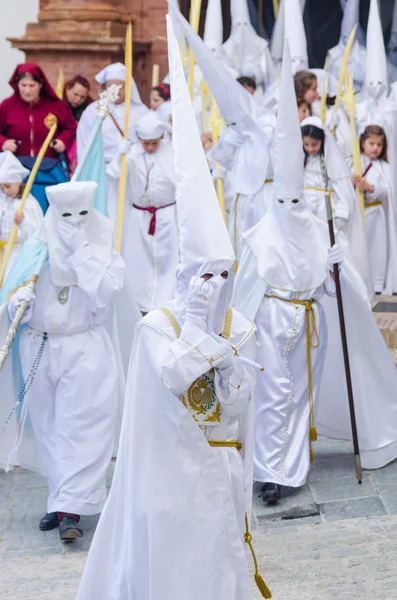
(99, 282)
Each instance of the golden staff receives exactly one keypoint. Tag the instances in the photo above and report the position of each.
(60, 84)
(52, 123)
(204, 89)
(343, 68)
(276, 6)
(215, 126)
(123, 171)
(350, 104)
(324, 94)
(195, 11)
(155, 75)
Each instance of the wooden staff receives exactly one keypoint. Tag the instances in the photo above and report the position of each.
(204, 89)
(52, 123)
(123, 171)
(60, 84)
(342, 323)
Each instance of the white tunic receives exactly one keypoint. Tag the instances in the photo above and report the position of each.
(33, 218)
(173, 496)
(151, 259)
(111, 136)
(380, 227)
(72, 401)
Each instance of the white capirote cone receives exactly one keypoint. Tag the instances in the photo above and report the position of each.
(213, 30)
(376, 62)
(239, 10)
(351, 14)
(203, 237)
(277, 44)
(11, 169)
(294, 30)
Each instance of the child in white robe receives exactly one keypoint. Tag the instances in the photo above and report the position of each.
(376, 184)
(12, 174)
(67, 357)
(150, 246)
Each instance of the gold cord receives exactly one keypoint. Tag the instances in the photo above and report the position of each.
(262, 587)
(226, 444)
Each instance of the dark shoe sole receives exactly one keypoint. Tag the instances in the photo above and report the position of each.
(71, 534)
(48, 527)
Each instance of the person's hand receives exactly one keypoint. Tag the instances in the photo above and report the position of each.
(364, 186)
(124, 147)
(19, 218)
(74, 237)
(198, 301)
(10, 145)
(58, 146)
(218, 173)
(356, 179)
(335, 256)
(23, 293)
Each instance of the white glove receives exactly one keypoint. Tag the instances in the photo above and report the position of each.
(74, 237)
(335, 256)
(227, 365)
(124, 147)
(24, 293)
(333, 120)
(198, 302)
(218, 173)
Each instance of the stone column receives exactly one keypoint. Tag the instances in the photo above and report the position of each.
(81, 37)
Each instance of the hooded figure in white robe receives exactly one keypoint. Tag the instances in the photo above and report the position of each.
(113, 125)
(150, 240)
(67, 359)
(13, 172)
(377, 106)
(289, 23)
(173, 527)
(284, 271)
(245, 52)
(356, 63)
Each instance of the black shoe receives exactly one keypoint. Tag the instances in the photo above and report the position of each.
(49, 521)
(69, 529)
(271, 493)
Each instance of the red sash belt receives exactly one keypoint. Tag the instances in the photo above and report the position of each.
(152, 210)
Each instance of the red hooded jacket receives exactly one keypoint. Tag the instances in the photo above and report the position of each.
(26, 122)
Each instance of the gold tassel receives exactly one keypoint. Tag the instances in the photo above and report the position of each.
(311, 454)
(262, 587)
(313, 434)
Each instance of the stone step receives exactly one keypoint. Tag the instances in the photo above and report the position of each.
(385, 312)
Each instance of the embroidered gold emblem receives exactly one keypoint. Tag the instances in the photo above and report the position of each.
(201, 401)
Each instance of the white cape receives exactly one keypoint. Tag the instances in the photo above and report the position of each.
(159, 536)
(374, 378)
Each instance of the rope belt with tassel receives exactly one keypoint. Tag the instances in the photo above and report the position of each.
(311, 330)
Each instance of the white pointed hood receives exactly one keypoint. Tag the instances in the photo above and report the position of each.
(73, 201)
(244, 49)
(277, 44)
(289, 243)
(250, 146)
(376, 63)
(204, 244)
(213, 30)
(11, 169)
(294, 30)
(351, 16)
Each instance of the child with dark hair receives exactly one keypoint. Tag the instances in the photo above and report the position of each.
(248, 83)
(375, 183)
(160, 93)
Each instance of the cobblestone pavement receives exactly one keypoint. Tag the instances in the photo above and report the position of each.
(331, 539)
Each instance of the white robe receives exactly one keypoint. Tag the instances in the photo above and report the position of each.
(380, 227)
(32, 221)
(72, 401)
(172, 528)
(151, 260)
(281, 405)
(111, 136)
(355, 65)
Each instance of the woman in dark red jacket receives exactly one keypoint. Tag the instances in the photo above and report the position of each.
(23, 129)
